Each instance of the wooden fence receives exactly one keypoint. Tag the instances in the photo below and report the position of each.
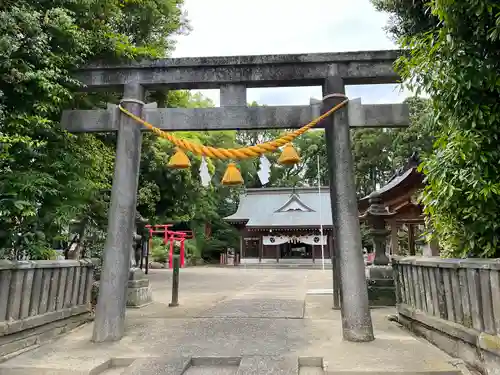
(38, 293)
(454, 303)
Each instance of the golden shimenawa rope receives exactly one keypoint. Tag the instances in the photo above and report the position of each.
(235, 153)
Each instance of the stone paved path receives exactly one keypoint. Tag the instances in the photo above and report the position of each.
(260, 318)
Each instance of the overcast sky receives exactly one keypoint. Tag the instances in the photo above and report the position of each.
(230, 27)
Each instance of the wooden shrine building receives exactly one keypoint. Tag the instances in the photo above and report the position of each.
(284, 225)
(395, 203)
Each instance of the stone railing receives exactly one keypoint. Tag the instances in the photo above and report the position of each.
(39, 299)
(455, 304)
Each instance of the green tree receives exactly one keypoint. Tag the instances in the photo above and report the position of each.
(49, 177)
(454, 56)
(418, 137)
(372, 150)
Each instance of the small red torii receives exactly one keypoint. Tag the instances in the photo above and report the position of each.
(170, 236)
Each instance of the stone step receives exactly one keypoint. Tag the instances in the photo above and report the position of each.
(211, 370)
(247, 365)
(268, 365)
(309, 370)
(213, 366)
(113, 371)
(253, 365)
(311, 366)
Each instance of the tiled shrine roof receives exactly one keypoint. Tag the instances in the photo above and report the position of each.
(403, 184)
(284, 208)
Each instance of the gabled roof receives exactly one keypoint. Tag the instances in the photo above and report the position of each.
(284, 208)
(294, 204)
(402, 184)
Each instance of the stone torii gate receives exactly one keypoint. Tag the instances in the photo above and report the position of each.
(233, 75)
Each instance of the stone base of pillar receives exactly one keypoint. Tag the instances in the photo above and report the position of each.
(139, 292)
(381, 288)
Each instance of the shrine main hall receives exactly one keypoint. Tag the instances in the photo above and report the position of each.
(294, 225)
(284, 225)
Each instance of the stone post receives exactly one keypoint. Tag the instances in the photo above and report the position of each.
(175, 282)
(356, 319)
(109, 324)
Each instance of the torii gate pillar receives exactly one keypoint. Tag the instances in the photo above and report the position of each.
(109, 324)
(355, 310)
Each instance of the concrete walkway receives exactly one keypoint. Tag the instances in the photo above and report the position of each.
(236, 321)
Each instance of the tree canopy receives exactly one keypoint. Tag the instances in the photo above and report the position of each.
(453, 55)
(48, 176)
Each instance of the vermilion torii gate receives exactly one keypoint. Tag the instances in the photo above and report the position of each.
(233, 75)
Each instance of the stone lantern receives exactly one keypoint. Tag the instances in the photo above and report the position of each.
(376, 216)
(381, 291)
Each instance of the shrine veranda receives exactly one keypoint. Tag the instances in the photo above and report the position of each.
(233, 75)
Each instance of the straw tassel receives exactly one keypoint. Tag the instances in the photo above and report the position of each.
(232, 176)
(179, 160)
(289, 155)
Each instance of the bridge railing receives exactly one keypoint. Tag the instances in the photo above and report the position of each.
(454, 303)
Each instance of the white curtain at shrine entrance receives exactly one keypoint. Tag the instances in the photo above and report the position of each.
(275, 240)
(313, 240)
(308, 240)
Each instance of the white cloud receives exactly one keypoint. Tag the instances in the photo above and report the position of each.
(229, 27)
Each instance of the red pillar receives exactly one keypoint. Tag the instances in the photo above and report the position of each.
(182, 252)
